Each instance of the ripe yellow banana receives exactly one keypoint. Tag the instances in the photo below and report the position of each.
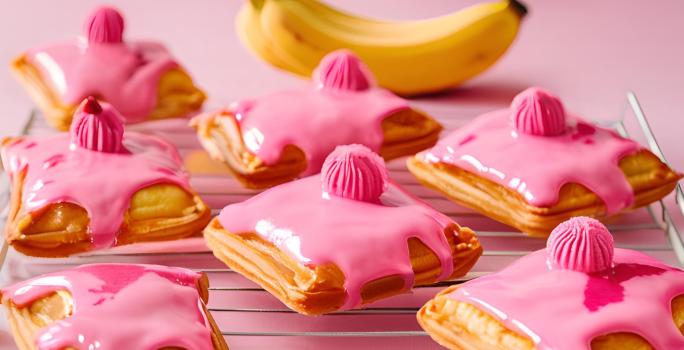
(409, 57)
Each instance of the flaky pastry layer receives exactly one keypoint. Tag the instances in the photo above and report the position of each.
(315, 290)
(405, 132)
(650, 179)
(25, 322)
(157, 213)
(459, 325)
(177, 96)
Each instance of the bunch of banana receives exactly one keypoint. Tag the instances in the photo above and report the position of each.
(407, 57)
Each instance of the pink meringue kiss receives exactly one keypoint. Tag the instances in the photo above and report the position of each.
(354, 172)
(343, 70)
(581, 244)
(97, 128)
(104, 25)
(538, 112)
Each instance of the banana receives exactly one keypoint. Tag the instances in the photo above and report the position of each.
(407, 57)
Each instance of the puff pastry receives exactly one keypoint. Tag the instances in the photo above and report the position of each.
(288, 134)
(535, 181)
(57, 310)
(143, 80)
(68, 196)
(321, 253)
(626, 301)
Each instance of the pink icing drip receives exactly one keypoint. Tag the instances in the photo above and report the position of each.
(581, 244)
(366, 241)
(125, 74)
(120, 306)
(342, 70)
(537, 167)
(538, 112)
(354, 172)
(321, 118)
(563, 309)
(97, 129)
(105, 25)
(57, 172)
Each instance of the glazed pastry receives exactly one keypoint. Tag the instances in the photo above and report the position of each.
(578, 293)
(140, 79)
(288, 134)
(532, 166)
(113, 306)
(332, 242)
(95, 188)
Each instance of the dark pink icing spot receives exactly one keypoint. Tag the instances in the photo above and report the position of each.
(58, 172)
(562, 309)
(537, 167)
(120, 306)
(365, 240)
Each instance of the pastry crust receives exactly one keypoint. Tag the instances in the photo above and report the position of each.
(461, 326)
(405, 132)
(650, 179)
(315, 290)
(177, 96)
(156, 213)
(26, 321)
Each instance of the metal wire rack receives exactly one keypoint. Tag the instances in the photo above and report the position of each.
(250, 318)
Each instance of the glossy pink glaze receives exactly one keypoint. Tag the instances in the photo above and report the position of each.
(354, 172)
(120, 306)
(562, 309)
(97, 128)
(105, 25)
(366, 241)
(581, 244)
(342, 70)
(344, 111)
(124, 74)
(538, 112)
(537, 167)
(102, 183)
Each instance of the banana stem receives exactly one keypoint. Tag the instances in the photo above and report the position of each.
(518, 7)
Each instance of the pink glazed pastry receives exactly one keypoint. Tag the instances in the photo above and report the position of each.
(112, 307)
(96, 187)
(339, 240)
(284, 135)
(139, 78)
(534, 165)
(578, 293)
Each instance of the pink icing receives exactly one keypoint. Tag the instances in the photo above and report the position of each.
(581, 244)
(537, 167)
(365, 240)
(563, 309)
(538, 112)
(342, 70)
(102, 183)
(97, 129)
(354, 172)
(105, 25)
(121, 306)
(315, 119)
(125, 74)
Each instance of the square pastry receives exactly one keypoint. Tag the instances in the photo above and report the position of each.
(287, 134)
(143, 81)
(93, 188)
(580, 293)
(532, 166)
(113, 306)
(335, 241)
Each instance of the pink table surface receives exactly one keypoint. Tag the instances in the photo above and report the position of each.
(589, 53)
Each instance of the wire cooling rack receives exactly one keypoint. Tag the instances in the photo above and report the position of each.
(250, 318)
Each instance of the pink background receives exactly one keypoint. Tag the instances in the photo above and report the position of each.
(590, 53)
